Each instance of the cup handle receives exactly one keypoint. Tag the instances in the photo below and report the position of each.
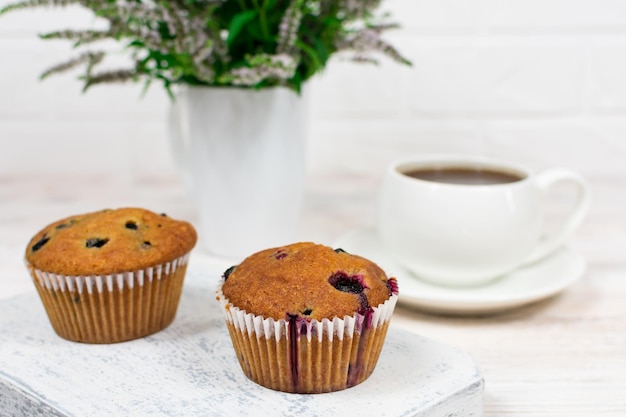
(545, 180)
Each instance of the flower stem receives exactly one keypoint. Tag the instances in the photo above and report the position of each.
(262, 18)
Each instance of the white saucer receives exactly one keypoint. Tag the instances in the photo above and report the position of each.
(523, 286)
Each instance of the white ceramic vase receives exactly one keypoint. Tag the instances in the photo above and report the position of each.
(242, 154)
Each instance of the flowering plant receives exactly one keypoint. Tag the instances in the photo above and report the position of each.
(251, 43)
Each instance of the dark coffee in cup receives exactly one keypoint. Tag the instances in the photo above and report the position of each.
(464, 175)
(472, 233)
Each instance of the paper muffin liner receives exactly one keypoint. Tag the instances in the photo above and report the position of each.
(307, 356)
(112, 308)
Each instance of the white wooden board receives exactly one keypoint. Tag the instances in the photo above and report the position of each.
(190, 369)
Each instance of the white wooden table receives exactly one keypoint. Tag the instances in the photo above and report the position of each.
(565, 356)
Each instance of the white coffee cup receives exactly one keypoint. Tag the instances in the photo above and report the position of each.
(470, 234)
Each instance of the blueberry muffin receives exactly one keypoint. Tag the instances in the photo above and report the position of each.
(305, 318)
(111, 275)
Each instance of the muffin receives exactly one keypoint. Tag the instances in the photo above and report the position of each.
(305, 318)
(111, 275)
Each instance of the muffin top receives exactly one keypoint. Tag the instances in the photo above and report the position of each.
(109, 241)
(306, 280)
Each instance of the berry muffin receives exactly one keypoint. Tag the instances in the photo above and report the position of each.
(111, 275)
(305, 318)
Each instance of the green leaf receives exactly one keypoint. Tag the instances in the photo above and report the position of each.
(237, 24)
(312, 55)
(137, 44)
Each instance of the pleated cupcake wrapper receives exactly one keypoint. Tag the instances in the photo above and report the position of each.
(319, 356)
(112, 308)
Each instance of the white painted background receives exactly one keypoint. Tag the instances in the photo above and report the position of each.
(541, 81)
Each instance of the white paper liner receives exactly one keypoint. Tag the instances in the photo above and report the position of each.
(312, 357)
(99, 283)
(337, 327)
(111, 308)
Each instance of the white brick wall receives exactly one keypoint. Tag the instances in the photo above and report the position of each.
(543, 81)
